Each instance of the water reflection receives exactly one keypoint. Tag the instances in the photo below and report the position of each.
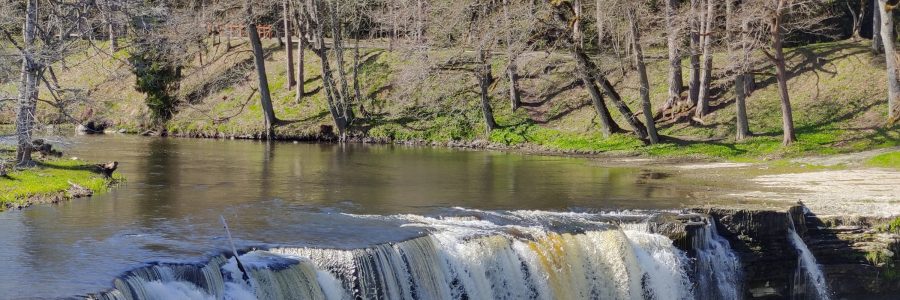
(284, 194)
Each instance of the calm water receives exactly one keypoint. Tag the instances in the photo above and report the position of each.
(285, 194)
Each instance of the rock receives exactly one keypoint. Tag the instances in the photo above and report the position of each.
(107, 169)
(77, 191)
(44, 148)
(92, 127)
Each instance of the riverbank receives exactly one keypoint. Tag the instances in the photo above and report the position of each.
(837, 90)
(50, 181)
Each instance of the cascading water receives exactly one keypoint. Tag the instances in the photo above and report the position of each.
(509, 255)
(809, 281)
(718, 269)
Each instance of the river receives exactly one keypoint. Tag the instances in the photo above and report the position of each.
(291, 196)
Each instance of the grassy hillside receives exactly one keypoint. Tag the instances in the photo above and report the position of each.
(837, 90)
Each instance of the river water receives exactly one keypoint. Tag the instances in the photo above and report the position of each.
(288, 197)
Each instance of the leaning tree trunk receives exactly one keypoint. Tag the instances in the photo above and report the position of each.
(642, 72)
(312, 13)
(28, 91)
(672, 35)
(694, 24)
(483, 74)
(890, 55)
(286, 13)
(585, 69)
(877, 44)
(259, 59)
(706, 71)
(636, 126)
(787, 117)
(738, 52)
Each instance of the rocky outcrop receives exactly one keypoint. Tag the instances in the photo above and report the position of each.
(856, 254)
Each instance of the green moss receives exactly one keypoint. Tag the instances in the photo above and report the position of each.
(886, 160)
(48, 179)
(884, 261)
(892, 226)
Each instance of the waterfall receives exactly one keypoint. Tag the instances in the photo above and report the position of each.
(718, 269)
(809, 281)
(511, 255)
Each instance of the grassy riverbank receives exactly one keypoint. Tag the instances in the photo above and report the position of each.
(837, 91)
(51, 181)
(886, 160)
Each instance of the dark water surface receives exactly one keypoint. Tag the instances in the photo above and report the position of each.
(285, 194)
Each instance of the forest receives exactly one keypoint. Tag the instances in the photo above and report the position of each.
(719, 78)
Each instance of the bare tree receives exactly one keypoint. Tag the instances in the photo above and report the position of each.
(673, 39)
(706, 70)
(887, 36)
(301, 48)
(321, 16)
(259, 59)
(739, 52)
(289, 50)
(632, 15)
(28, 92)
(564, 15)
(857, 17)
(877, 45)
(512, 67)
(695, 26)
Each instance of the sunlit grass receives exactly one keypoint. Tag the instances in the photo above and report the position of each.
(886, 160)
(48, 179)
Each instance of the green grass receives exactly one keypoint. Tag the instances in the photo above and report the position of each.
(48, 179)
(837, 91)
(886, 160)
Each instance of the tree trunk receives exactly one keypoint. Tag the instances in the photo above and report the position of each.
(739, 53)
(642, 72)
(787, 117)
(694, 24)
(312, 12)
(857, 17)
(356, 92)
(577, 34)
(111, 26)
(890, 55)
(585, 69)
(345, 105)
(706, 71)
(484, 81)
(301, 47)
(636, 126)
(28, 91)
(286, 12)
(393, 27)
(877, 44)
(511, 69)
(259, 59)
(672, 35)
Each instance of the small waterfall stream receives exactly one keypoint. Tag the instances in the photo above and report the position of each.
(809, 281)
(516, 255)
